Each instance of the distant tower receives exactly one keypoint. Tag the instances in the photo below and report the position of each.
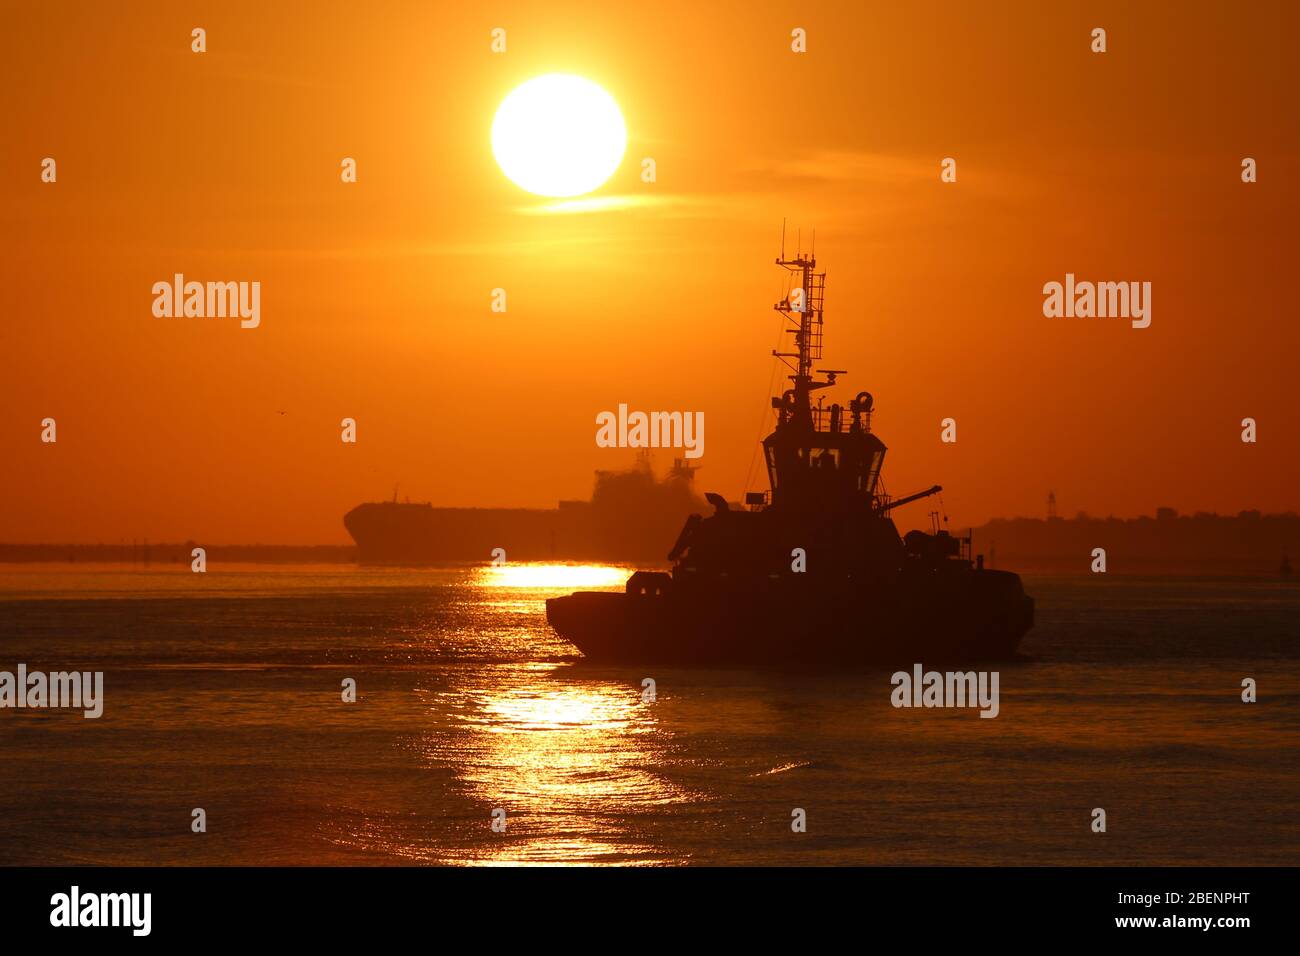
(1051, 505)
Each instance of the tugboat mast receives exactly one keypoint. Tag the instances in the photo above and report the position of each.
(820, 460)
(802, 307)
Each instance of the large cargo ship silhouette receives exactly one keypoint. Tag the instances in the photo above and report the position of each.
(814, 571)
(629, 515)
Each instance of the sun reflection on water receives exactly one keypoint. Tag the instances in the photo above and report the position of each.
(502, 719)
(551, 576)
(568, 761)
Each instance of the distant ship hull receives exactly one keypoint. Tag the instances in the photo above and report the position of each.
(966, 616)
(405, 534)
(623, 521)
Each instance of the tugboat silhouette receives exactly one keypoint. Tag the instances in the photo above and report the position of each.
(812, 573)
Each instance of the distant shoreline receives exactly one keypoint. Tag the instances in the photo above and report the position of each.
(165, 553)
(1246, 543)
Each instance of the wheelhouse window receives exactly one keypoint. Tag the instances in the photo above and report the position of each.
(873, 472)
(826, 458)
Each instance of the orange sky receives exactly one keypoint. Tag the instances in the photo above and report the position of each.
(375, 296)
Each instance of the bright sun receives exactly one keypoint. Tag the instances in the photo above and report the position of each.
(558, 135)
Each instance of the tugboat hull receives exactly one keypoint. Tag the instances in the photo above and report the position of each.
(979, 615)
